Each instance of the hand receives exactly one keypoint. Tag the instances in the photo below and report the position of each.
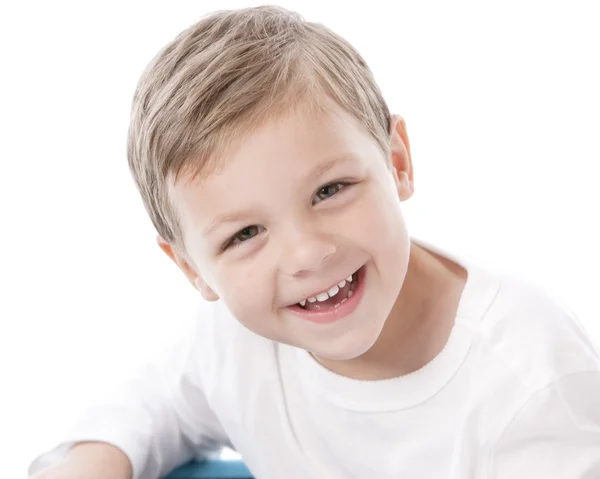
(89, 460)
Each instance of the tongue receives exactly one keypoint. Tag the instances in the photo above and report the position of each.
(329, 303)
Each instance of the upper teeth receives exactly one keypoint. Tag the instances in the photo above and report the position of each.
(328, 294)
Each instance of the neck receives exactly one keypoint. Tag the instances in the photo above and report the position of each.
(419, 325)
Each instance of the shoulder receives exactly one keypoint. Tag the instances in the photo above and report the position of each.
(534, 334)
(518, 323)
(520, 326)
(555, 433)
(548, 421)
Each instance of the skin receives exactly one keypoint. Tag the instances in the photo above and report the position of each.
(90, 460)
(299, 228)
(302, 246)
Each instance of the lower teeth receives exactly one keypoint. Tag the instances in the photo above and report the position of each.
(341, 302)
(350, 293)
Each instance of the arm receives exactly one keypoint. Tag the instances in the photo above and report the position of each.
(96, 460)
(555, 434)
(159, 418)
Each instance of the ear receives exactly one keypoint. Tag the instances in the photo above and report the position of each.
(193, 277)
(401, 161)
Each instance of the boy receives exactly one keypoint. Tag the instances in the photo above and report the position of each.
(333, 345)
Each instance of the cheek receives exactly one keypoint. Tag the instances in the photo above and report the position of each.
(378, 219)
(246, 293)
(381, 231)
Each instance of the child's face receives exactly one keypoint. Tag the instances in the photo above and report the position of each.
(300, 205)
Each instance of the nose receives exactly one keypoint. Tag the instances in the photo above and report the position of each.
(305, 249)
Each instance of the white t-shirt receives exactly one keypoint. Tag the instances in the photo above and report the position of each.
(515, 394)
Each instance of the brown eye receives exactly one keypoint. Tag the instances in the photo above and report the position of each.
(327, 191)
(243, 235)
(247, 233)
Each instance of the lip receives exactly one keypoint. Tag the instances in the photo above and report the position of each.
(334, 314)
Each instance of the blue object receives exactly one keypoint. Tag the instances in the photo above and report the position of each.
(215, 469)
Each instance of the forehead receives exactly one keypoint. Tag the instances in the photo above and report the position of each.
(271, 159)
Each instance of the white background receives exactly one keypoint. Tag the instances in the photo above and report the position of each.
(502, 102)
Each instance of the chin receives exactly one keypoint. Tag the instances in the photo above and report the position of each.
(351, 346)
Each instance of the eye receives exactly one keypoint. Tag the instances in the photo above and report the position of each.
(328, 191)
(243, 235)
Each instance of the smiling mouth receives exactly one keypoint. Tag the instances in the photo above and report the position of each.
(333, 298)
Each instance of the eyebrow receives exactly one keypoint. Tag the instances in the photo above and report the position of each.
(221, 220)
(327, 164)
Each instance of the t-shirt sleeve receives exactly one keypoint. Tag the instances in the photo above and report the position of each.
(556, 433)
(160, 418)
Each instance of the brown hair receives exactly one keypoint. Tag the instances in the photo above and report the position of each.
(231, 72)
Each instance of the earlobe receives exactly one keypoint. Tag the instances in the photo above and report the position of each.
(190, 273)
(207, 293)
